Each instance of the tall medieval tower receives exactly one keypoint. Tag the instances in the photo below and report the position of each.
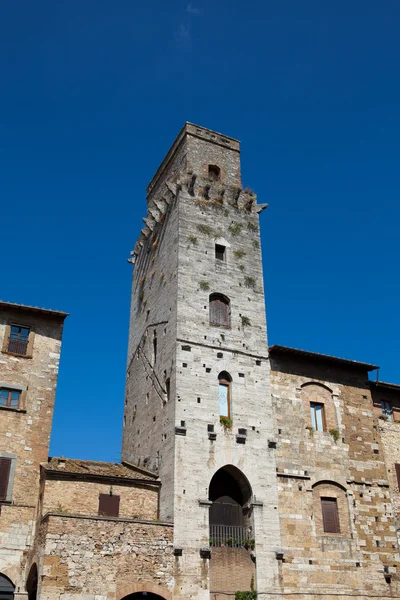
(198, 407)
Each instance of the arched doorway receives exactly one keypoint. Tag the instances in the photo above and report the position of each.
(32, 582)
(6, 588)
(230, 513)
(143, 596)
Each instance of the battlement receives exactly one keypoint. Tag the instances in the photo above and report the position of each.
(194, 149)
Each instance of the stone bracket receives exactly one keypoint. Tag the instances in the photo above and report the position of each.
(205, 503)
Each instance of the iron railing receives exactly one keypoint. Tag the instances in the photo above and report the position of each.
(17, 346)
(231, 536)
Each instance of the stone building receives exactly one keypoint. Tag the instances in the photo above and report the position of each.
(244, 468)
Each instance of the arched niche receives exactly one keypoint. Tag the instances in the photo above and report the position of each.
(230, 516)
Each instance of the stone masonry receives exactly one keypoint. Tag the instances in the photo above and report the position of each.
(244, 468)
(25, 429)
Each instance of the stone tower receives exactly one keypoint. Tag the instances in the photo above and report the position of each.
(198, 408)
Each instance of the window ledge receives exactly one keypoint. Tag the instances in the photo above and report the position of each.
(12, 409)
(16, 354)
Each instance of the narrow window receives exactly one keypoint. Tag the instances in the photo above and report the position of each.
(317, 416)
(330, 515)
(18, 340)
(220, 310)
(108, 505)
(220, 252)
(214, 173)
(9, 398)
(387, 410)
(155, 348)
(224, 392)
(5, 467)
(168, 388)
(397, 467)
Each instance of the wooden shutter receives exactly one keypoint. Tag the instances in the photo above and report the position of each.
(330, 515)
(397, 466)
(5, 466)
(108, 505)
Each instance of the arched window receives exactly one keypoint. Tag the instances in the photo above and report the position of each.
(331, 510)
(224, 393)
(220, 310)
(214, 173)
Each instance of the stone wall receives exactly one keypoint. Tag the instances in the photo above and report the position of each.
(99, 557)
(82, 497)
(313, 464)
(231, 569)
(25, 432)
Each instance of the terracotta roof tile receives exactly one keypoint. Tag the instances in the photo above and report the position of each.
(103, 469)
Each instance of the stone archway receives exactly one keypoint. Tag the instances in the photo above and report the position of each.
(6, 588)
(230, 513)
(32, 582)
(143, 591)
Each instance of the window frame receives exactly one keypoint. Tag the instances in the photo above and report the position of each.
(12, 458)
(217, 251)
(330, 501)
(387, 409)
(221, 298)
(225, 380)
(10, 391)
(7, 338)
(104, 513)
(313, 406)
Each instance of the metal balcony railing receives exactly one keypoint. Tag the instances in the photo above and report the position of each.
(230, 536)
(17, 346)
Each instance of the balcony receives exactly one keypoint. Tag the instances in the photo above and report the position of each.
(17, 346)
(230, 536)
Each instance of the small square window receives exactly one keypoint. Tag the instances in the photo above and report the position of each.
(220, 252)
(317, 416)
(387, 410)
(108, 505)
(9, 398)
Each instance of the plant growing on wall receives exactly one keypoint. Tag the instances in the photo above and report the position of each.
(239, 253)
(204, 285)
(241, 268)
(192, 239)
(251, 226)
(226, 422)
(256, 243)
(335, 434)
(206, 229)
(235, 228)
(245, 321)
(249, 282)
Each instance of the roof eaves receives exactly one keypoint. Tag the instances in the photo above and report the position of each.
(386, 384)
(26, 307)
(323, 357)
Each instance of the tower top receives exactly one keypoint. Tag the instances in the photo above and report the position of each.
(194, 149)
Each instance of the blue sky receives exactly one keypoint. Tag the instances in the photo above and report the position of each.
(92, 95)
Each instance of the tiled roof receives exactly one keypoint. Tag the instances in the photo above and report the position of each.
(323, 357)
(96, 468)
(46, 311)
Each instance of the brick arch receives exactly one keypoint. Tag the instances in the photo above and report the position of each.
(142, 586)
(318, 384)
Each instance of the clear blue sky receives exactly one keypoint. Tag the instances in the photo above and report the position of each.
(92, 95)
